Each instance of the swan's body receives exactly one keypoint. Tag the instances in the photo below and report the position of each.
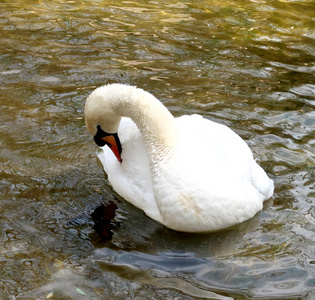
(188, 173)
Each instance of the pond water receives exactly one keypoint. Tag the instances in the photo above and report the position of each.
(246, 64)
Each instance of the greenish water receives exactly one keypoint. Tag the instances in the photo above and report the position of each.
(247, 64)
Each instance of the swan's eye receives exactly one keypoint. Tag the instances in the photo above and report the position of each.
(105, 139)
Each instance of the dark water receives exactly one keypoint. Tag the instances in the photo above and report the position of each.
(247, 64)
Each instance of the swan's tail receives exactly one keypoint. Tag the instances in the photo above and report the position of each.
(263, 184)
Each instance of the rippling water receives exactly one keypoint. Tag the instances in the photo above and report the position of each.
(247, 64)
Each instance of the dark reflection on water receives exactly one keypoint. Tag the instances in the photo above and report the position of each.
(246, 64)
(103, 218)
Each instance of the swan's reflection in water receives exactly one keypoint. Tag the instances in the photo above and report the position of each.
(103, 217)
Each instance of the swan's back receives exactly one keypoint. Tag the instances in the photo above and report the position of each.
(215, 180)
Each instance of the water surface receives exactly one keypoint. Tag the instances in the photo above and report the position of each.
(246, 64)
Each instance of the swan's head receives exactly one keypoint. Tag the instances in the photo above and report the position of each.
(102, 121)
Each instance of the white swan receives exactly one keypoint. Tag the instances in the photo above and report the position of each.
(188, 173)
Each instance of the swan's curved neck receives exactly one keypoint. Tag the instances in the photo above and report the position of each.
(155, 122)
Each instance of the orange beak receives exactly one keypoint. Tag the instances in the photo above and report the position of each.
(114, 144)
